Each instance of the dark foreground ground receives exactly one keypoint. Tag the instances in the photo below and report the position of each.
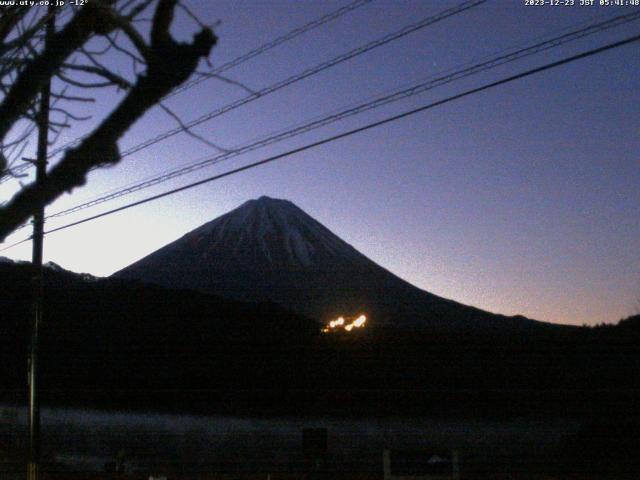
(549, 402)
(82, 444)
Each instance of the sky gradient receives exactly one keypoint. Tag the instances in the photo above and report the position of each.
(523, 199)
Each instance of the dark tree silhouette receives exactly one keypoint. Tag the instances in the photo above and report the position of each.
(159, 64)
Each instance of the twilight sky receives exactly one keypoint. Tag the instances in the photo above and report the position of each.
(523, 199)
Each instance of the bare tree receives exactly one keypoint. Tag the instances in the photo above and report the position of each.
(159, 64)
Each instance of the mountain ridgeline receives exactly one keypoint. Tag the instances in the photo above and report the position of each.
(128, 345)
(228, 319)
(269, 249)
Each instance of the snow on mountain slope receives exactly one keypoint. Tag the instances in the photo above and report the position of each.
(270, 231)
(269, 249)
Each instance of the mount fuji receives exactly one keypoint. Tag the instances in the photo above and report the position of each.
(269, 249)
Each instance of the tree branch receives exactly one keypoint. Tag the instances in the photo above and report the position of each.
(31, 79)
(125, 25)
(171, 63)
(25, 36)
(230, 81)
(112, 77)
(10, 19)
(189, 131)
(72, 98)
(79, 84)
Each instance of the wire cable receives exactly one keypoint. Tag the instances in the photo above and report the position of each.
(368, 98)
(354, 131)
(16, 243)
(376, 103)
(296, 32)
(272, 44)
(303, 75)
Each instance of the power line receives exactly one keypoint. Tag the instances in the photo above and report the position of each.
(296, 32)
(308, 73)
(376, 103)
(272, 44)
(99, 196)
(348, 133)
(312, 71)
(298, 77)
(16, 243)
(14, 171)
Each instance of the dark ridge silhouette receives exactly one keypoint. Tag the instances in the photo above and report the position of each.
(269, 249)
(111, 343)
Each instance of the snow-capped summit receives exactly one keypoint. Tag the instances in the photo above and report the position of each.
(269, 249)
(267, 234)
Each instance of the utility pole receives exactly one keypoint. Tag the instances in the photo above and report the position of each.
(36, 259)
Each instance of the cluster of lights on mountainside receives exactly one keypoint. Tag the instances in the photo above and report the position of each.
(340, 324)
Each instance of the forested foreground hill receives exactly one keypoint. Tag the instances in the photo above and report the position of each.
(120, 344)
